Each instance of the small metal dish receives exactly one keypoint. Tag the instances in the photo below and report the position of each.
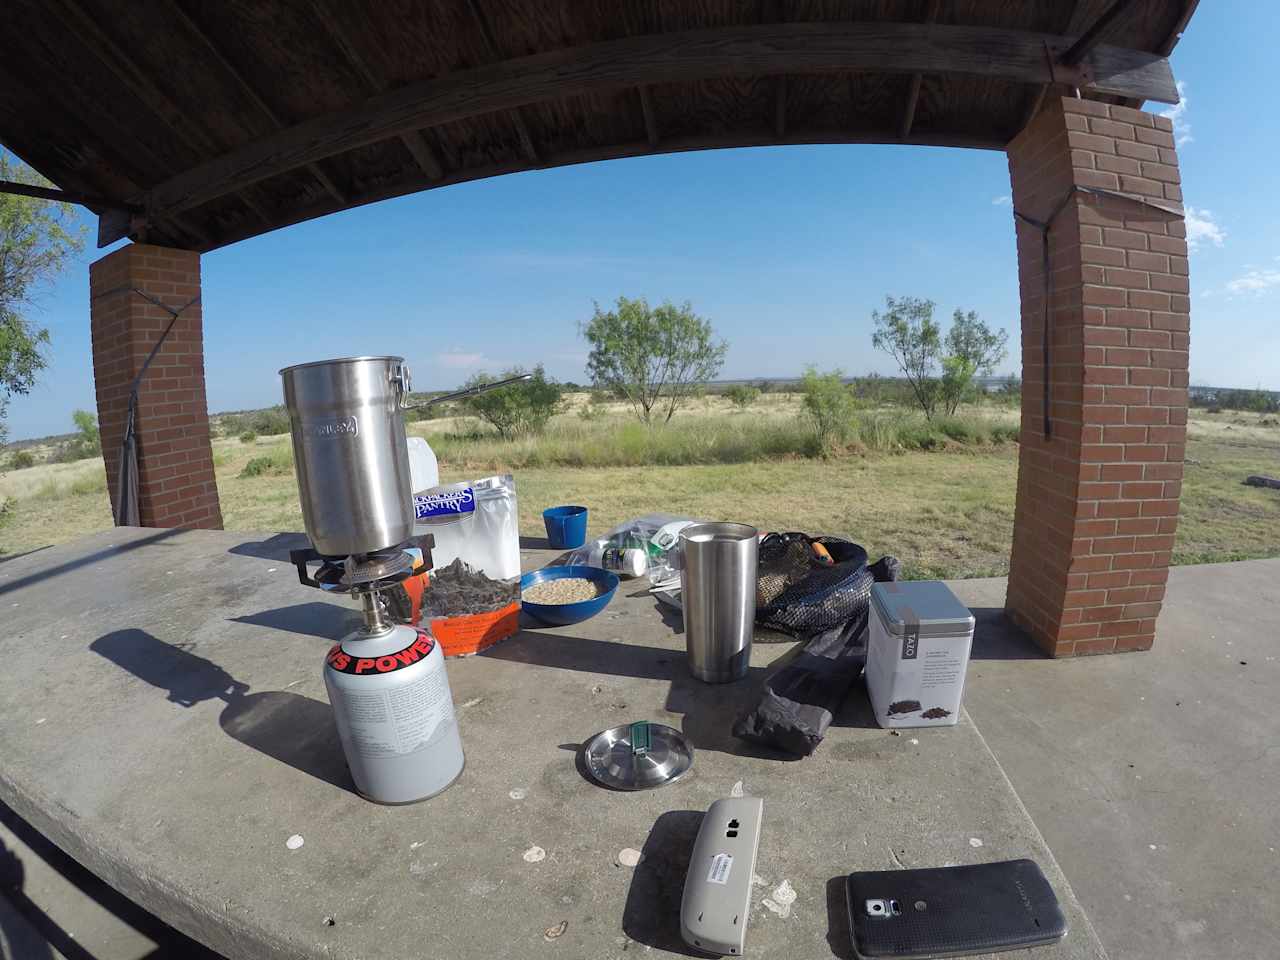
(638, 756)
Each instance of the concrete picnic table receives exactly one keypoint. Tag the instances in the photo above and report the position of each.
(165, 723)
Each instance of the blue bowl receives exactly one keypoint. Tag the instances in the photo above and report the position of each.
(563, 614)
(566, 527)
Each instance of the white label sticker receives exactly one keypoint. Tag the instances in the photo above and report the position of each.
(721, 864)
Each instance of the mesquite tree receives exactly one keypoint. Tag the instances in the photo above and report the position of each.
(653, 357)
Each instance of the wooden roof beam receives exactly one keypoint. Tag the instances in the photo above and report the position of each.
(491, 48)
(792, 48)
(414, 141)
(917, 79)
(639, 148)
(250, 94)
(1073, 28)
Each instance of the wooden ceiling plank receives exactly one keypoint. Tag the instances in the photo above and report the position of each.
(252, 95)
(486, 35)
(650, 117)
(122, 67)
(794, 48)
(917, 79)
(424, 155)
(1098, 31)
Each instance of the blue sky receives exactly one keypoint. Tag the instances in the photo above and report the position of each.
(786, 250)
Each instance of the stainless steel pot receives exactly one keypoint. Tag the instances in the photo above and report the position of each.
(349, 452)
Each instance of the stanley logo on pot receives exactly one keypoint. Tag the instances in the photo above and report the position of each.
(337, 427)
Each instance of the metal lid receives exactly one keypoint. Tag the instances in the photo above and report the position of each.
(638, 756)
(926, 605)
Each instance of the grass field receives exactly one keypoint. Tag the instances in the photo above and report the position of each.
(945, 510)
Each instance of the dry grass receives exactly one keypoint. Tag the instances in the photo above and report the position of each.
(945, 514)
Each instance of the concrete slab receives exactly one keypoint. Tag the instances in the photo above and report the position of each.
(1153, 775)
(166, 724)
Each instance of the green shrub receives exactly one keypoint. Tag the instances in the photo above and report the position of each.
(248, 437)
(829, 405)
(742, 396)
(21, 460)
(520, 410)
(278, 462)
(8, 510)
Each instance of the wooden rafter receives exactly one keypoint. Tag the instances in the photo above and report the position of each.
(249, 92)
(676, 57)
(424, 155)
(1097, 31)
(491, 48)
(650, 118)
(917, 80)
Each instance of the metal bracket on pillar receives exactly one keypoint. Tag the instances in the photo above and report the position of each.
(1044, 226)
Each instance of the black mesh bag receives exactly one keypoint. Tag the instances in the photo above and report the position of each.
(827, 605)
(805, 589)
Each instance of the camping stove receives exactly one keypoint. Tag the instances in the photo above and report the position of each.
(386, 681)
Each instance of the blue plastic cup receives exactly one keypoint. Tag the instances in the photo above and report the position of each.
(566, 527)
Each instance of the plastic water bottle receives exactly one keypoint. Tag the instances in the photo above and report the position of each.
(424, 470)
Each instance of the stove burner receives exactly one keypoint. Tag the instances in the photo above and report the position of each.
(371, 567)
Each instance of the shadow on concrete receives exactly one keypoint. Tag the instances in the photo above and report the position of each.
(839, 936)
(996, 638)
(291, 728)
(651, 915)
(170, 944)
(46, 574)
(329, 621)
(288, 727)
(535, 543)
(186, 678)
(275, 547)
(708, 710)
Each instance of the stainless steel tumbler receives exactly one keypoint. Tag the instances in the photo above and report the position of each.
(718, 592)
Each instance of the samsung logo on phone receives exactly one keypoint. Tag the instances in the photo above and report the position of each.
(1022, 895)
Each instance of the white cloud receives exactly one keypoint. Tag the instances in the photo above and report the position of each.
(1256, 282)
(1005, 201)
(457, 360)
(1178, 114)
(1202, 229)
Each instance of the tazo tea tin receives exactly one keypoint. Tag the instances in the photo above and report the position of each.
(918, 646)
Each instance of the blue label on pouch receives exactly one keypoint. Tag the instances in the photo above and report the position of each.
(452, 502)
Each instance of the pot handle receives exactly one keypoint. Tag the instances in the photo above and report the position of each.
(469, 392)
(399, 375)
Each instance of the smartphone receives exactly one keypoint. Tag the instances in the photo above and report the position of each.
(952, 911)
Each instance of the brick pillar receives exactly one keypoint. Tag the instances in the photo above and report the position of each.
(1097, 503)
(171, 426)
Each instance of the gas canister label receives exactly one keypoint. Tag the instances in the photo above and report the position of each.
(444, 502)
(343, 662)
